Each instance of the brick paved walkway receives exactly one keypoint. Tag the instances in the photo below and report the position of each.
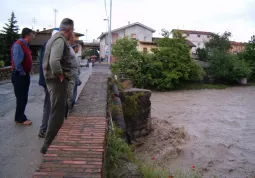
(78, 149)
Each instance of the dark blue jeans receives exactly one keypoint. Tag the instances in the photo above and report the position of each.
(21, 85)
(75, 91)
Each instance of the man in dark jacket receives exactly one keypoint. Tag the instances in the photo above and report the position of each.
(47, 105)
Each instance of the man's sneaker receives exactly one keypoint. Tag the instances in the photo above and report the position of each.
(42, 134)
(43, 150)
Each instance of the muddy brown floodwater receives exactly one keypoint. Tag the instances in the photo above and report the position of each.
(212, 129)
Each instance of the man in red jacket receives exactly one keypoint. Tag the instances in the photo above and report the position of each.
(21, 67)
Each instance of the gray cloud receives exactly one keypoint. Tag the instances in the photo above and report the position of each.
(210, 15)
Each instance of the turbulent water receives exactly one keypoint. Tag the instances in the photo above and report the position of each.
(220, 125)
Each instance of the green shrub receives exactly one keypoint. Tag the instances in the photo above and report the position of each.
(117, 148)
(228, 67)
(2, 64)
(151, 171)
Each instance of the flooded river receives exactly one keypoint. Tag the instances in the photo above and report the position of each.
(220, 126)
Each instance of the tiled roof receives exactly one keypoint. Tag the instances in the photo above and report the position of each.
(147, 42)
(50, 31)
(193, 32)
(237, 43)
(130, 25)
(189, 43)
(41, 38)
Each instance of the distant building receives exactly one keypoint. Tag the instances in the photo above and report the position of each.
(43, 36)
(136, 31)
(237, 47)
(198, 38)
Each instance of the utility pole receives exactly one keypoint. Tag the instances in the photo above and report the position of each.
(110, 34)
(34, 21)
(55, 11)
(86, 35)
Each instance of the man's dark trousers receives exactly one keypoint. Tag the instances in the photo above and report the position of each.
(21, 87)
(58, 97)
(46, 111)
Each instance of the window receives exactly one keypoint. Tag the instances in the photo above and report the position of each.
(198, 36)
(208, 36)
(133, 36)
(145, 50)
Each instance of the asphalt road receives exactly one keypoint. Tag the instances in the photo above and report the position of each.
(19, 145)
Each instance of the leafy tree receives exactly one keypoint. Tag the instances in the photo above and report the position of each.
(89, 52)
(202, 54)
(228, 68)
(219, 42)
(10, 32)
(249, 54)
(127, 56)
(123, 47)
(169, 66)
(165, 33)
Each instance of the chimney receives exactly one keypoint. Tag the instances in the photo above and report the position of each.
(37, 30)
(44, 29)
(128, 22)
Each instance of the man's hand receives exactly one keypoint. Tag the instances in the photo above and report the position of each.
(61, 77)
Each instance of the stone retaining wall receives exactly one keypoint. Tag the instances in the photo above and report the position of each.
(5, 73)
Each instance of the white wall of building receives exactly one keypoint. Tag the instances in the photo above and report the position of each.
(198, 39)
(137, 31)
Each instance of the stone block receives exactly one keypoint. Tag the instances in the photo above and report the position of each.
(137, 111)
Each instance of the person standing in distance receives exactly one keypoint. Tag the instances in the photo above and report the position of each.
(57, 72)
(21, 59)
(46, 105)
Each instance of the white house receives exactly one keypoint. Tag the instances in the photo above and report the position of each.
(136, 30)
(198, 38)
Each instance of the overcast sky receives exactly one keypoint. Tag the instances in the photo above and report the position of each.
(236, 16)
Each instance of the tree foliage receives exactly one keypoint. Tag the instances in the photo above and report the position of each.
(165, 69)
(202, 54)
(89, 52)
(127, 56)
(10, 33)
(227, 67)
(219, 42)
(165, 33)
(249, 54)
(224, 67)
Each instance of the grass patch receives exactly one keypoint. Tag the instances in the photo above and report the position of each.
(118, 149)
(198, 86)
(251, 84)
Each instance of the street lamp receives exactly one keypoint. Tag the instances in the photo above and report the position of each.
(109, 33)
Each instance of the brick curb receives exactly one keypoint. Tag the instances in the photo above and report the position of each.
(77, 151)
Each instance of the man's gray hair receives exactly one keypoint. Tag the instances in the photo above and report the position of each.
(66, 24)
